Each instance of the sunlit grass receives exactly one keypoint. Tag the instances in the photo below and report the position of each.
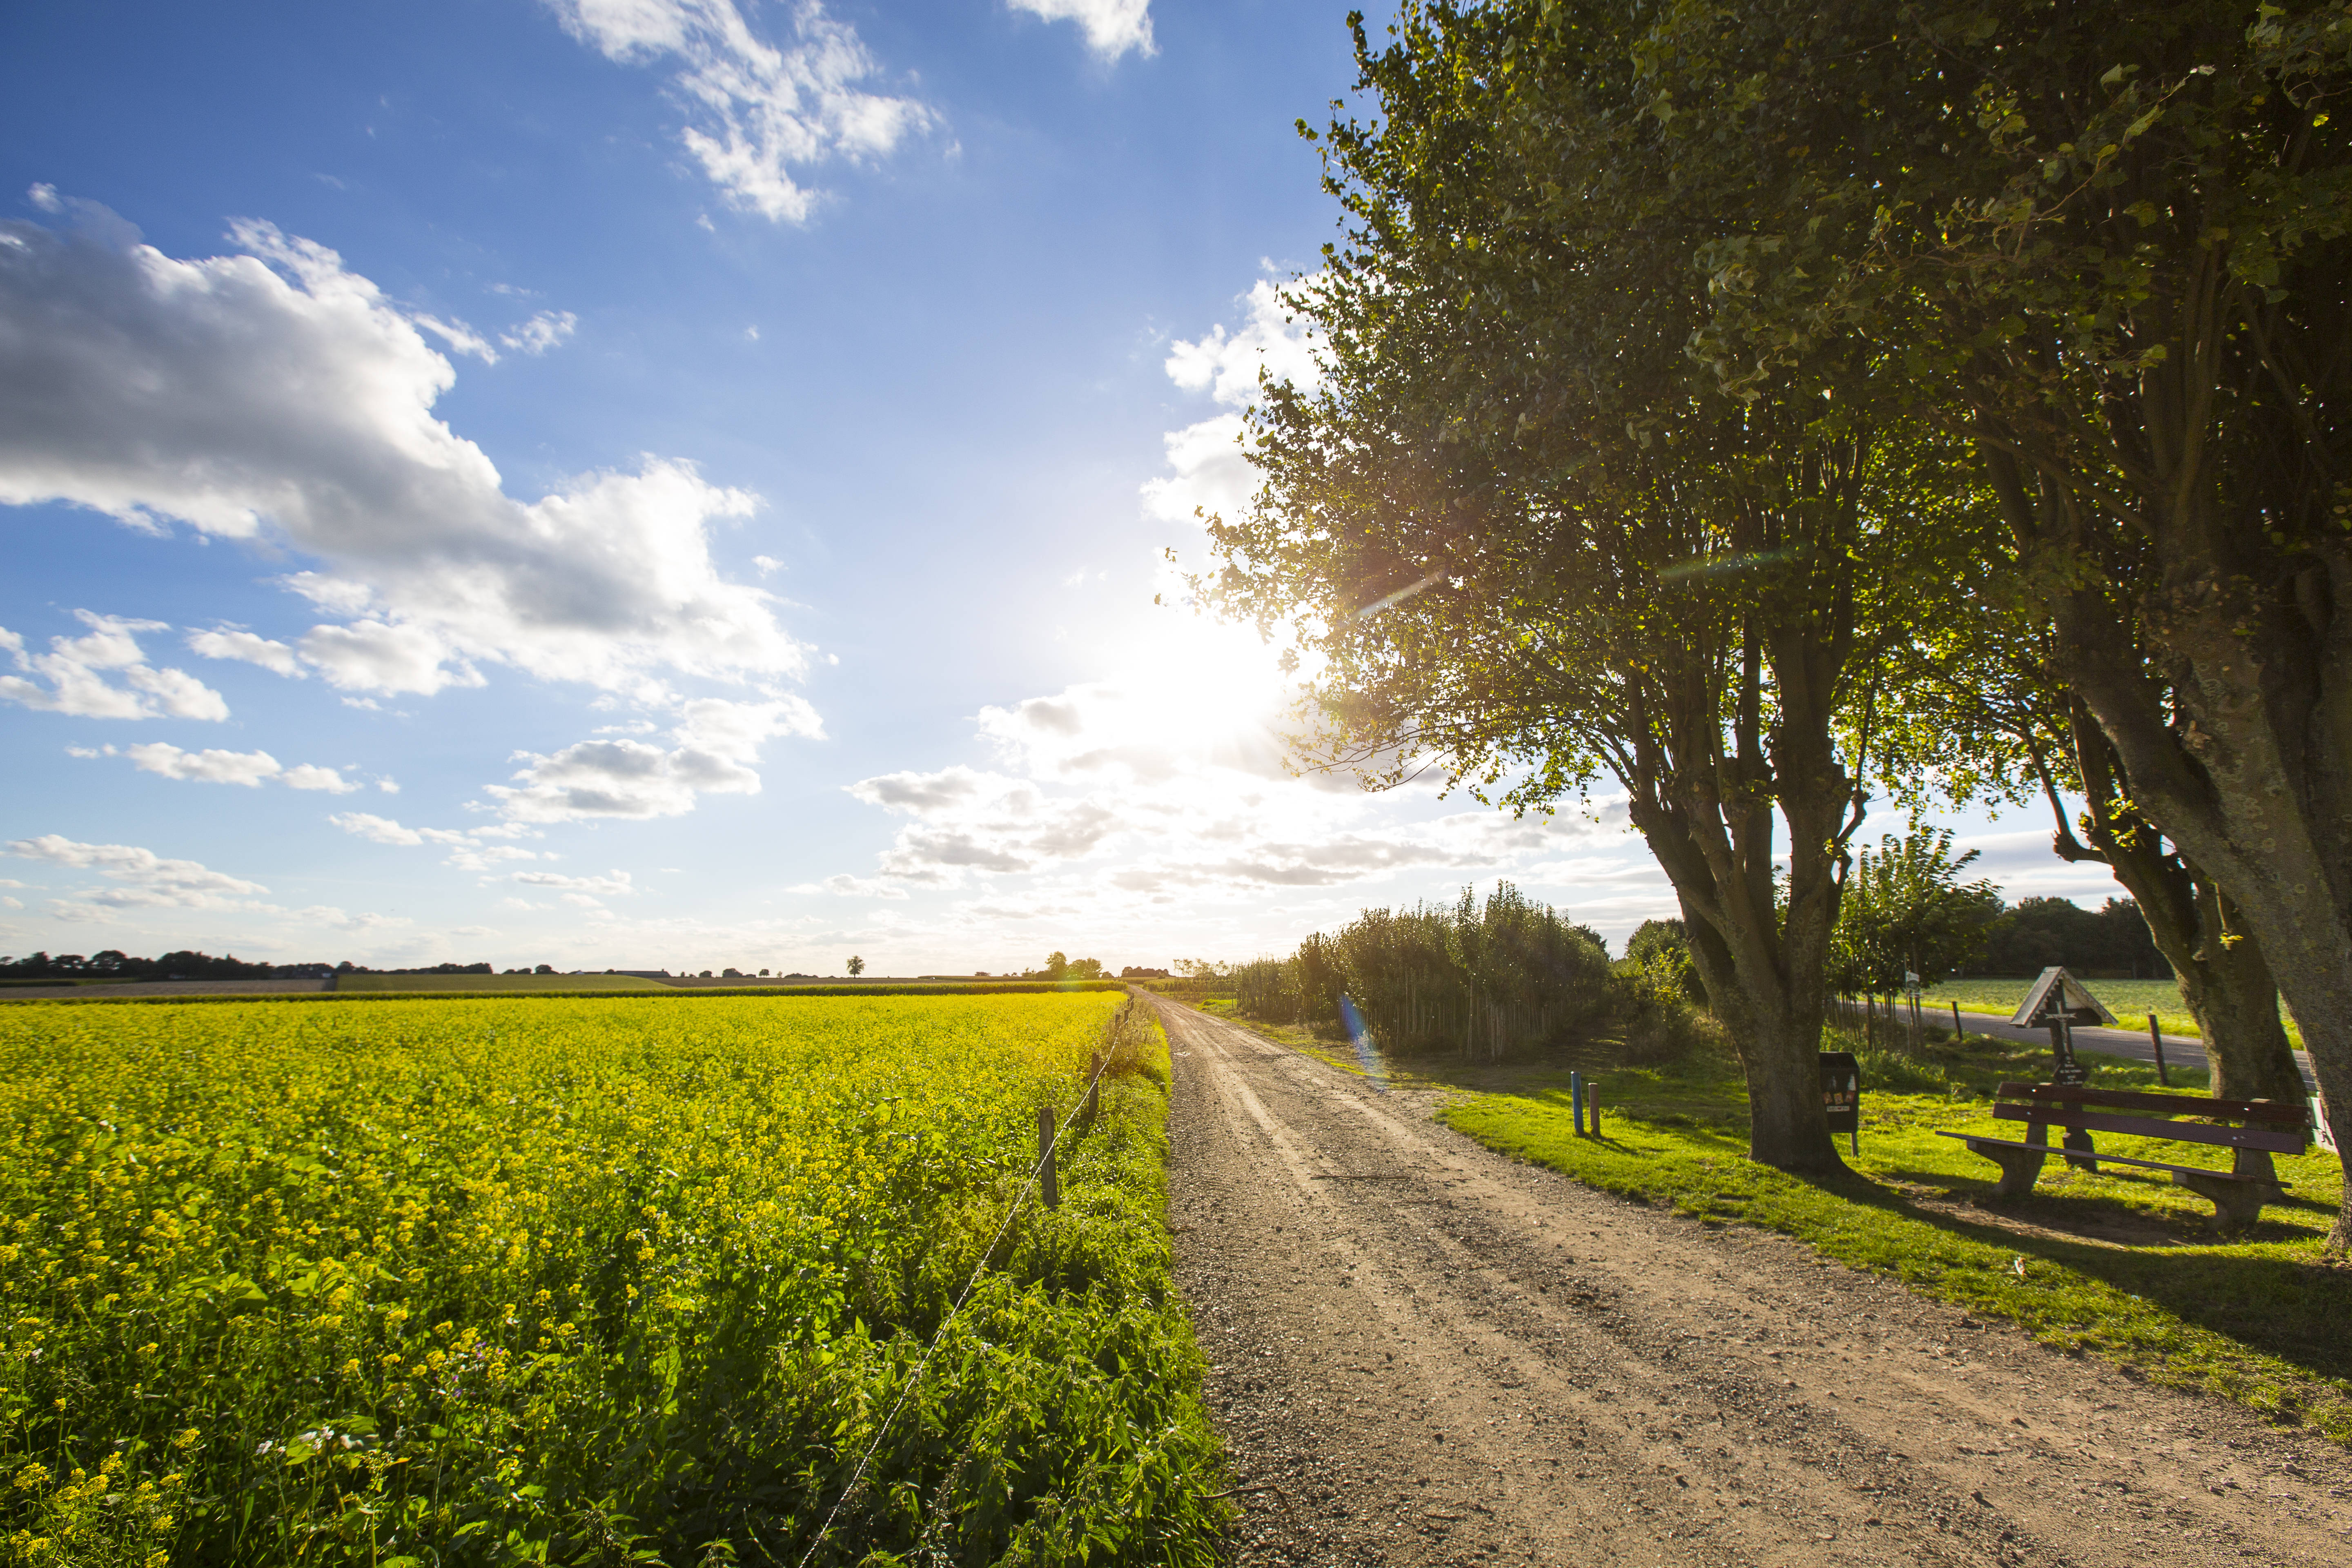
(2122, 1264)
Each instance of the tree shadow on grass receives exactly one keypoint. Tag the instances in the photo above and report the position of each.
(2287, 1307)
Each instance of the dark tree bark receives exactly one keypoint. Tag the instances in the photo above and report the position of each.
(2224, 980)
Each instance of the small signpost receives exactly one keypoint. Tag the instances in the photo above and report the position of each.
(1841, 1094)
(2058, 1002)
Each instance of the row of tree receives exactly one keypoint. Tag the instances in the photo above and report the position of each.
(112, 963)
(1764, 404)
(1906, 911)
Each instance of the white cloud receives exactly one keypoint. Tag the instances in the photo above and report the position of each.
(756, 112)
(1226, 365)
(469, 850)
(852, 888)
(614, 885)
(542, 332)
(311, 776)
(232, 643)
(1211, 474)
(375, 830)
(247, 768)
(78, 669)
(275, 392)
(461, 337)
(718, 742)
(482, 856)
(145, 880)
(1117, 804)
(1112, 26)
(1212, 478)
(333, 919)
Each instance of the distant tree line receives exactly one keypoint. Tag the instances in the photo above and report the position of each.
(115, 964)
(1061, 966)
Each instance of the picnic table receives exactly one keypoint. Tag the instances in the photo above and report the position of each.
(2251, 1129)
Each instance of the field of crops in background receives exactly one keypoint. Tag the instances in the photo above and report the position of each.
(594, 1280)
(352, 983)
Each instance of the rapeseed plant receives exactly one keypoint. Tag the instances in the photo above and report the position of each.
(595, 1280)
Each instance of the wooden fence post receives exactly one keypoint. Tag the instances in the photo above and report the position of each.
(1047, 1179)
(2156, 1034)
(1957, 1033)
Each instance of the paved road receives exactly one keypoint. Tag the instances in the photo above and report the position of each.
(2132, 1042)
(1423, 1352)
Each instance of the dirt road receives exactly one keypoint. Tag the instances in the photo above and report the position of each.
(1439, 1355)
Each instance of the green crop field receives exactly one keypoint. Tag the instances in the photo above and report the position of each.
(496, 983)
(599, 1281)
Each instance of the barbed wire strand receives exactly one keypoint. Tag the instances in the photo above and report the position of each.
(1036, 1174)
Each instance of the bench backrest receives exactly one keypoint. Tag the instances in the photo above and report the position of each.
(2265, 1124)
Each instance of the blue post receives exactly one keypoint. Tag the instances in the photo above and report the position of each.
(1576, 1100)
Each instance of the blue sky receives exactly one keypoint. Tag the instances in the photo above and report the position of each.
(672, 482)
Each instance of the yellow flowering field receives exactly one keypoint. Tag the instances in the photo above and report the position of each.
(592, 1280)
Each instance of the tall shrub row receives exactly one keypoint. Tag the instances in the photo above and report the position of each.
(1476, 979)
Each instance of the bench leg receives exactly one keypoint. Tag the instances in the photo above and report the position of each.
(2254, 1163)
(2019, 1168)
(2236, 1205)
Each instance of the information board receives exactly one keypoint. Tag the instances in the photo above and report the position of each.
(1842, 1091)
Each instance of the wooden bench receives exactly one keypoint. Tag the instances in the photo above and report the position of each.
(2263, 1128)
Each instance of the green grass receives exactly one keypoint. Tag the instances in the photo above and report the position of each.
(2131, 1000)
(2120, 1265)
(364, 982)
(2123, 1265)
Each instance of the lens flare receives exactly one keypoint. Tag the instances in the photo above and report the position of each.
(1367, 1054)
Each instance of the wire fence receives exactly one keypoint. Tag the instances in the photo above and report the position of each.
(1041, 1172)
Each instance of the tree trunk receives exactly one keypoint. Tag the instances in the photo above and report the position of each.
(1762, 970)
(2249, 768)
(2236, 1002)
(2223, 977)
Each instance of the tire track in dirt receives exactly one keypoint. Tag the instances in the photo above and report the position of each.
(1441, 1355)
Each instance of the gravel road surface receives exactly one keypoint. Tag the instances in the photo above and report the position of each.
(1425, 1352)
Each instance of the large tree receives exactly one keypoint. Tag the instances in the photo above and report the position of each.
(1987, 721)
(2110, 237)
(1515, 529)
